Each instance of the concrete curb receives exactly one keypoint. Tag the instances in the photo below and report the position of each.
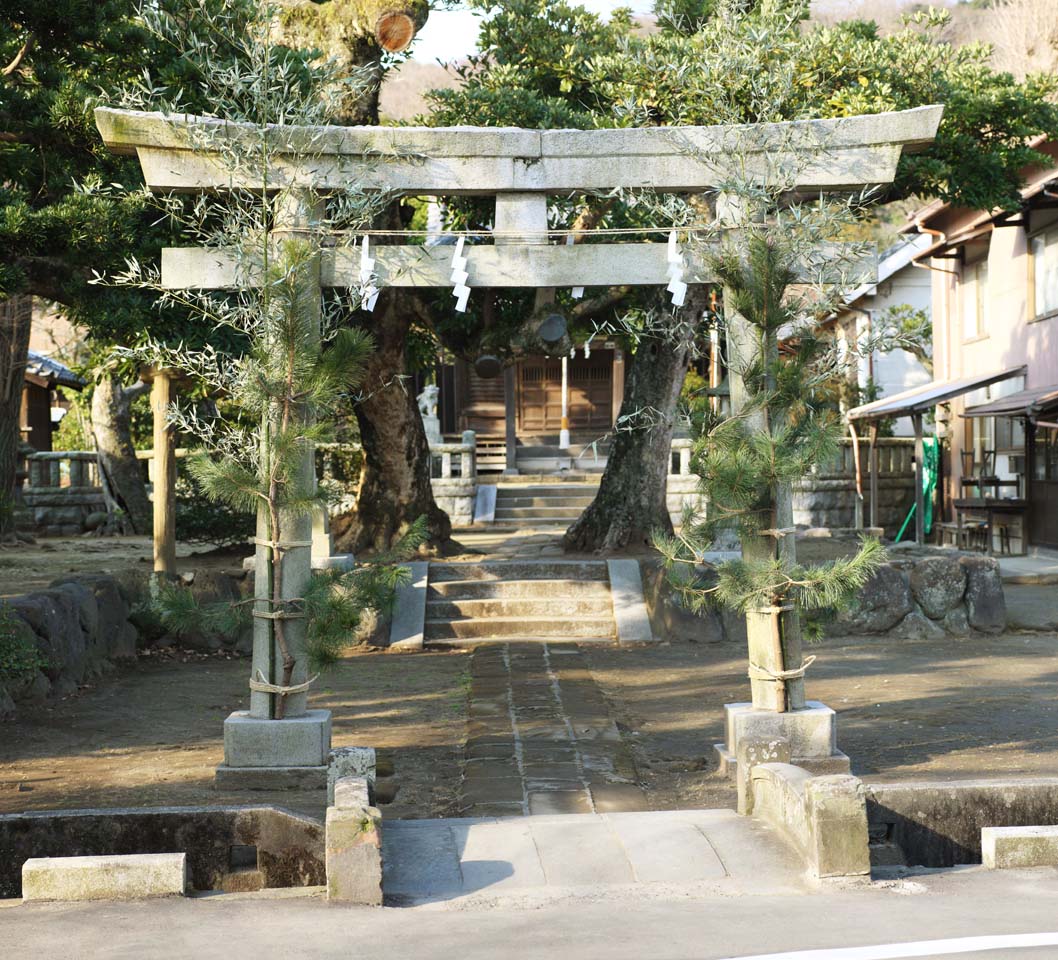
(128, 877)
(629, 604)
(409, 610)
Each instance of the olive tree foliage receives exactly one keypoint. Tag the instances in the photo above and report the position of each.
(781, 274)
(300, 360)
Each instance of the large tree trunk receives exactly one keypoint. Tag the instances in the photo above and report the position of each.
(395, 480)
(353, 34)
(631, 504)
(16, 319)
(112, 428)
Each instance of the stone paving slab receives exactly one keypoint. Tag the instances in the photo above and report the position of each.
(539, 734)
(449, 860)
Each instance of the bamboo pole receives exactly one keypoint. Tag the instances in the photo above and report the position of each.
(164, 477)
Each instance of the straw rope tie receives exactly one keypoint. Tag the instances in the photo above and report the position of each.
(757, 672)
(282, 544)
(260, 685)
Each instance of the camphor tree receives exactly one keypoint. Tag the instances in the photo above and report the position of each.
(780, 273)
(299, 359)
(363, 38)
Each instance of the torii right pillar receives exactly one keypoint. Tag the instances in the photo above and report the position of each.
(778, 723)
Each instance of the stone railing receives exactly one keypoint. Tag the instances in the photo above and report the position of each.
(826, 497)
(680, 462)
(62, 491)
(463, 454)
(682, 487)
(454, 476)
(895, 456)
(56, 469)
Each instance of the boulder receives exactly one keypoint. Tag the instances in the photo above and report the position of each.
(84, 602)
(956, 622)
(986, 607)
(53, 616)
(116, 636)
(915, 626)
(938, 584)
(882, 603)
(7, 705)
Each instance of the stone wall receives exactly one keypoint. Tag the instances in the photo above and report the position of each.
(827, 497)
(925, 593)
(831, 502)
(61, 511)
(81, 626)
(681, 491)
(62, 494)
(281, 849)
(938, 824)
(456, 497)
(922, 593)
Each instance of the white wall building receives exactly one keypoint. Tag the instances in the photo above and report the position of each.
(899, 283)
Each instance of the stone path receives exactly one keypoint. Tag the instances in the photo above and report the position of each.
(540, 739)
(661, 853)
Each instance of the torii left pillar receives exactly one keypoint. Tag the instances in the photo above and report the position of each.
(261, 752)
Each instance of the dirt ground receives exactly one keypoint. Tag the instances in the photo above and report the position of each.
(30, 567)
(151, 732)
(957, 709)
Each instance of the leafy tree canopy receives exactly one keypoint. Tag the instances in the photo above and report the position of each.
(549, 63)
(68, 206)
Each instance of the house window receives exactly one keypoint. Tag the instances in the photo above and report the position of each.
(974, 293)
(1045, 271)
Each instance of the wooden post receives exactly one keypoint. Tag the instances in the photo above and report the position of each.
(164, 477)
(511, 432)
(563, 433)
(618, 386)
(873, 468)
(920, 500)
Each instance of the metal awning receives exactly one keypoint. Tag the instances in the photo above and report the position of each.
(1024, 403)
(921, 399)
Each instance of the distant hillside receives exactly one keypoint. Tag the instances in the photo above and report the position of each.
(402, 92)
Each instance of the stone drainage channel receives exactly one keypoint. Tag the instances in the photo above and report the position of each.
(540, 739)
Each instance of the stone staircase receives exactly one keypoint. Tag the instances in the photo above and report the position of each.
(505, 601)
(544, 504)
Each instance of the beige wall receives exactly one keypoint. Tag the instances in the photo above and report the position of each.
(1012, 336)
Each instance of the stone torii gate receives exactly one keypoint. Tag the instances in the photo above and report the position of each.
(520, 168)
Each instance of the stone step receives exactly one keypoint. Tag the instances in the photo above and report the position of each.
(557, 489)
(576, 478)
(520, 570)
(569, 628)
(535, 513)
(517, 589)
(466, 643)
(506, 608)
(546, 522)
(506, 501)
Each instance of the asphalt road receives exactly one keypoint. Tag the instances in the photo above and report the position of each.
(941, 915)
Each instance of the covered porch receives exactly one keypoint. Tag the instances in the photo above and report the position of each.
(917, 403)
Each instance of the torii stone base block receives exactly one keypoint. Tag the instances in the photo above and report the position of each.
(812, 733)
(288, 754)
(336, 561)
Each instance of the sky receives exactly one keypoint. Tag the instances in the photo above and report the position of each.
(451, 34)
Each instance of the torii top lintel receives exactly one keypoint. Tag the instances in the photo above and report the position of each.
(836, 154)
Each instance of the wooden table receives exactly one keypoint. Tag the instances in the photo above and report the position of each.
(989, 506)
